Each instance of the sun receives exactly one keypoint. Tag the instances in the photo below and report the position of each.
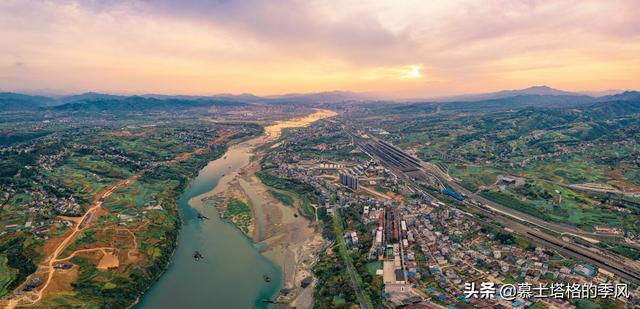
(412, 72)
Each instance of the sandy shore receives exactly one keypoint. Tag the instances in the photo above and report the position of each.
(292, 242)
(289, 240)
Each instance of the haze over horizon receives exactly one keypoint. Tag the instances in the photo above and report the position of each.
(413, 49)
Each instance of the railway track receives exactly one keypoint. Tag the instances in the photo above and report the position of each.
(397, 160)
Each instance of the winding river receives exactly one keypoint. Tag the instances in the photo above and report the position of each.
(231, 275)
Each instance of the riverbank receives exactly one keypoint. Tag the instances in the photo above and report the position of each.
(231, 272)
(278, 231)
(285, 236)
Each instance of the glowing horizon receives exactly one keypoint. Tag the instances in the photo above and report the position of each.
(407, 49)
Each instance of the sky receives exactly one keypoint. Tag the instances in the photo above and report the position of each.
(395, 48)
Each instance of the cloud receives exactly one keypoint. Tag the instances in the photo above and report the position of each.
(294, 45)
(290, 27)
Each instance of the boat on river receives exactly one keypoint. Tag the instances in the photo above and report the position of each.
(198, 256)
(202, 217)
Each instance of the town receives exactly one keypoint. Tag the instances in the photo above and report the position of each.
(422, 248)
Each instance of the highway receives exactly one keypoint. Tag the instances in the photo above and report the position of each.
(404, 163)
(411, 168)
(556, 227)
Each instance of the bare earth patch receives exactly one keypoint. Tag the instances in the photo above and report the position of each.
(108, 261)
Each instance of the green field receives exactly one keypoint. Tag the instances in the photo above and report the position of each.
(16, 263)
(239, 213)
(472, 176)
(6, 276)
(282, 197)
(559, 204)
(78, 160)
(547, 146)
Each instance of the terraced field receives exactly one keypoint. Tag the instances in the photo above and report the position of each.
(6, 276)
(559, 155)
(124, 181)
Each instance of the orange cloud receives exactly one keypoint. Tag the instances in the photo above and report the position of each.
(412, 48)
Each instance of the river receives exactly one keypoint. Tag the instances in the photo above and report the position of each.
(231, 275)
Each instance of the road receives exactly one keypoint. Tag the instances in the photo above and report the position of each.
(556, 227)
(401, 163)
(81, 224)
(84, 222)
(359, 293)
(342, 249)
(374, 192)
(611, 262)
(411, 168)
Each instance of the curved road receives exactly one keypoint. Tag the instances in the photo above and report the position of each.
(82, 224)
(511, 218)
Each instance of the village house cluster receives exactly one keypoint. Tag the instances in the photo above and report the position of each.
(427, 249)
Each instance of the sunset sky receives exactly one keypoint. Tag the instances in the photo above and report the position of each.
(396, 48)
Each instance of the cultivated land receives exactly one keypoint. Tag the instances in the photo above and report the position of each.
(575, 166)
(542, 199)
(375, 205)
(88, 206)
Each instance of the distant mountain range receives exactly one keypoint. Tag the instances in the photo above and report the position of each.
(321, 97)
(92, 101)
(601, 93)
(10, 101)
(98, 102)
(535, 90)
(140, 104)
(88, 96)
(538, 96)
(624, 96)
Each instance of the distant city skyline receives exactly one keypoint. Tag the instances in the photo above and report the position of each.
(407, 49)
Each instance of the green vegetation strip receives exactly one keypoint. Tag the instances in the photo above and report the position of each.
(514, 203)
(18, 258)
(6, 276)
(342, 249)
(282, 197)
(302, 191)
